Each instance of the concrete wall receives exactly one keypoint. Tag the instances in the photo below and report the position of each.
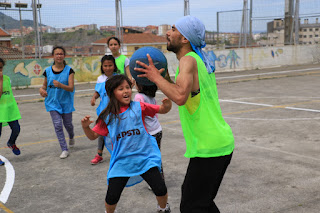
(29, 72)
(257, 58)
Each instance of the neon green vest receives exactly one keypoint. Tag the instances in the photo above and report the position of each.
(120, 63)
(9, 110)
(204, 129)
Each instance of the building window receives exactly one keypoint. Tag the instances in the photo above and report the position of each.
(304, 30)
(136, 48)
(300, 36)
(317, 42)
(316, 35)
(310, 36)
(304, 36)
(310, 42)
(310, 29)
(317, 29)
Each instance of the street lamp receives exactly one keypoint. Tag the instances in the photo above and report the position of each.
(21, 5)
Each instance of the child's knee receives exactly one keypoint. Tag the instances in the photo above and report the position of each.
(112, 198)
(160, 190)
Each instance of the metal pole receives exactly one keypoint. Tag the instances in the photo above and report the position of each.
(21, 31)
(186, 8)
(34, 10)
(297, 23)
(250, 19)
(40, 25)
(218, 30)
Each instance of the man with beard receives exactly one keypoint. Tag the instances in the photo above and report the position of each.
(209, 139)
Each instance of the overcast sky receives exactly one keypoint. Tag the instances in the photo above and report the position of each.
(68, 13)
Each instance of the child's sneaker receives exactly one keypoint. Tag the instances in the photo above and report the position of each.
(1, 163)
(166, 210)
(64, 154)
(71, 142)
(97, 159)
(14, 149)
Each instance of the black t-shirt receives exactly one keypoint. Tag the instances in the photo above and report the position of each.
(54, 72)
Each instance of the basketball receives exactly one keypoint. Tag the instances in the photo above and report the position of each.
(158, 58)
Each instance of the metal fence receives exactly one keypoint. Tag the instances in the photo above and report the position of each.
(265, 25)
(258, 23)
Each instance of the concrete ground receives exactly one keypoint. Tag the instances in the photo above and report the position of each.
(274, 115)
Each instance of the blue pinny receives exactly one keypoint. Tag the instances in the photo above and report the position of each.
(134, 150)
(59, 99)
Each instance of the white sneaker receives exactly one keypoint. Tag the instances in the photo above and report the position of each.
(64, 154)
(71, 143)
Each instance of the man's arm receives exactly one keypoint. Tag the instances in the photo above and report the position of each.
(178, 92)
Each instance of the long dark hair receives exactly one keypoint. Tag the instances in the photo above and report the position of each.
(64, 52)
(109, 58)
(147, 90)
(2, 61)
(115, 38)
(113, 108)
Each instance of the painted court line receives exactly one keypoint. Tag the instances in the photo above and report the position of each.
(19, 96)
(267, 73)
(10, 175)
(269, 105)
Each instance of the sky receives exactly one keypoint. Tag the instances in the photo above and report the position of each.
(68, 13)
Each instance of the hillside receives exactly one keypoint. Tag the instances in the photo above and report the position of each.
(6, 22)
(67, 39)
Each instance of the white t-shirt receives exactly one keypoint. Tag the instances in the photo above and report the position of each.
(102, 78)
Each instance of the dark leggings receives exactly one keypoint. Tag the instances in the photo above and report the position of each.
(152, 177)
(201, 184)
(158, 137)
(15, 128)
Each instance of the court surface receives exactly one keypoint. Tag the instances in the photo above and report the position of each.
(275, 118)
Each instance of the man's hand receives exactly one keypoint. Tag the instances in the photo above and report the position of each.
(150, 71)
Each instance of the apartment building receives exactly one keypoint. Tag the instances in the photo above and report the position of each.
(309, 33)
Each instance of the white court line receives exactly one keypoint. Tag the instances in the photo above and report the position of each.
(10, 175)
(18, 96)
(249, 103)
(284, 152)
(268, 105)
(267, 73)
(238, 76)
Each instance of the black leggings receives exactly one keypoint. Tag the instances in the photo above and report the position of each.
(201, 184)
(152, 177)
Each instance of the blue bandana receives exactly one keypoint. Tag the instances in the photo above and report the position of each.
(194, 30)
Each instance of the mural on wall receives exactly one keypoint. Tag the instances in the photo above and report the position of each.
(222, 60)
(277, 52)
(29, 72)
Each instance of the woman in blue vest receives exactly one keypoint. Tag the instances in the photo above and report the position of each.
(58, 90)
(135, 153)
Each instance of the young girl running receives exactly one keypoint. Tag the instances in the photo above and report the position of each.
(122, 61)
(9, 111)
(108, 69)
(135, 152)
(147, 95)
(58, 90)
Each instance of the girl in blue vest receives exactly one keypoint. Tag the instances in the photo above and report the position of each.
(9, 111)
(135, 153)
(108, 69)
(58, 90)
(121, 60)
